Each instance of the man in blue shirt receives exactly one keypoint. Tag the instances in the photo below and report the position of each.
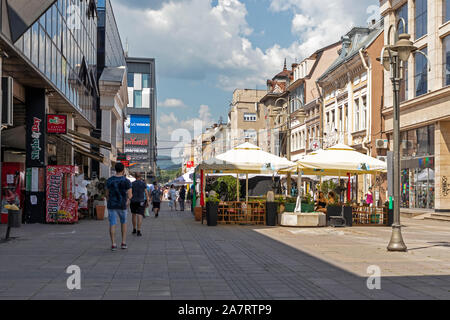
(118, 193)
(138, 203)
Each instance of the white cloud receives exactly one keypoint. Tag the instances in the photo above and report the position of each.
(172, 103)
(191, 39)
(322, 22)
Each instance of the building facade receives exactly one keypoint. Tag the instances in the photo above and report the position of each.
(140, 125)
(424, 107)
(246, 117)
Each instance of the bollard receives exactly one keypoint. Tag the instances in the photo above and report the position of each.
(14, 221)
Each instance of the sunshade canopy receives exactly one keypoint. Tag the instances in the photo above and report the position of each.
(338, 161)
(245, 158)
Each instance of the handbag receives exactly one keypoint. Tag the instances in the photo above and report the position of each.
(146, 213)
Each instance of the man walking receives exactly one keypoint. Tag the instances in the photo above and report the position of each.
(182, 198)
(118, 193)
(156, 199)
(138, 203)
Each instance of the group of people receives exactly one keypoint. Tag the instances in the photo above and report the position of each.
(121, 195)
(322, 202)
(174, 196)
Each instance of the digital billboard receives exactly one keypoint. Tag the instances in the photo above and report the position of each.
(137, 124)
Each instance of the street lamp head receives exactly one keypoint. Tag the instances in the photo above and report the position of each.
(404, 47)
(386, 61)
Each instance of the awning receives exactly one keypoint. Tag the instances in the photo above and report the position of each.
(88, 139)
(78, 147)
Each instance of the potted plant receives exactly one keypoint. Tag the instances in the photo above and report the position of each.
(307, 203)
(212, 209)
(348, 213)
(98, 192)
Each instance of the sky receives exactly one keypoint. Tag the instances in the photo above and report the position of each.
(204, 49)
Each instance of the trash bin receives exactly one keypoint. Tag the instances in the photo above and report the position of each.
(212, 209)
(14, 218)
(271, 213)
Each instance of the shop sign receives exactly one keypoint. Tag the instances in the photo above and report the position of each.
(136, 150)
(61, 206)
(190, 164)
(137, 124)
(136, 142)
(35, 139)
(56, 123)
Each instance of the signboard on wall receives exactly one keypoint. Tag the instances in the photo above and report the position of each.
(137, 124)
(56, 123)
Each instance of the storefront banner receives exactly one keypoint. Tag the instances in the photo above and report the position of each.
(61, 205)
(132, 141)
(136, 150)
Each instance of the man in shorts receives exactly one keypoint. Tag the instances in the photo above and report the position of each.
(156, 199)
(138, 203)
(118, 193)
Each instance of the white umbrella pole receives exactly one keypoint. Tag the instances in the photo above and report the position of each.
(298, 207)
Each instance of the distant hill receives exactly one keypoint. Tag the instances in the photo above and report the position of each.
(165, 163)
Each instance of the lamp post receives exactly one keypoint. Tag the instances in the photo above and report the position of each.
(392, 58)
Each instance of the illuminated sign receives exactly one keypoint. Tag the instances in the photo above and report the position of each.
(56, 123)
(136, 142)
(138, 124)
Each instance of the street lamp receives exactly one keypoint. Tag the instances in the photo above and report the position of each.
(393, 57)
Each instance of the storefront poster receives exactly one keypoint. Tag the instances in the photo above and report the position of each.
(56, 123)
(61, 205)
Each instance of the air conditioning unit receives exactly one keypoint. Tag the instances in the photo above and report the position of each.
(382, 158)
(381, 143)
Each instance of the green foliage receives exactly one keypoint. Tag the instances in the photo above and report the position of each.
(226, 186)
(165, 176)
(291, 200)
(213, 198)
(308, 199)
(328, 186)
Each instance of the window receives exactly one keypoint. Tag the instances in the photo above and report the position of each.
(446, 60)
(346, 117)
(364, 112)
(145, 80)
(446, 12)
(250, 117)
(333, 118)
(357, 115)
(130, 80)
(420, 76)
(421, 18)
(404, 83)
(249, 134)
(137, 98)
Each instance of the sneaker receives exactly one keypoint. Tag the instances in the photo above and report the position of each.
(139, 234)
(113, 247)
(124, 246)
(134, 231)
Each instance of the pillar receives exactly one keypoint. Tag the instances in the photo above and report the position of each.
(36, 155)
(442, 168)
(105, 167)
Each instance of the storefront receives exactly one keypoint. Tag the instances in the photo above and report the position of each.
(418, 168)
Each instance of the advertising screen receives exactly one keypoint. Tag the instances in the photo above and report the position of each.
(138, 124)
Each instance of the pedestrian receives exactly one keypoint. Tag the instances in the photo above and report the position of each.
(172, 198)
(369, 197)
(156, 199)
(118, 193)
(182, 198)
(138, 203)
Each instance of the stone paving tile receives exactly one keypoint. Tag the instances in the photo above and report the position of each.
(178, 258)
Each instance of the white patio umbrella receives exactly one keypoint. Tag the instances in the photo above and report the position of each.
(246, 158)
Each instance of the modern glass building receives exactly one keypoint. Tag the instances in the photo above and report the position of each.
(140, 126)
(62, 44)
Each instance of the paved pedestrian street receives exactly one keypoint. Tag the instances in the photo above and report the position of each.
(178, 258)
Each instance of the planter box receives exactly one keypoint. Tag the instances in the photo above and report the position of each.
(100, 210)
(307, 207)
(348, 215)
(314, 219)
(271, 213)
(212, 209)
(333, 212)
(198, 213)
(289, 207)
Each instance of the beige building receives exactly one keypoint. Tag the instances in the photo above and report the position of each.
(425, 103)
(246, 117)
(305, 134)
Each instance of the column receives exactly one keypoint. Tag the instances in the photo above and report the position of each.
(105, 167)
(36, 156)
(442, 168)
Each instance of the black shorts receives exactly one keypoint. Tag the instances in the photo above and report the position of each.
(138, 207)
(156, 205)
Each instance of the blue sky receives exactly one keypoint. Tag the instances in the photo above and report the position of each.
(205, 49)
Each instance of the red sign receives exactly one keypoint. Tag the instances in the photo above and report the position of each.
(190, 164)
(135, 142)
(61, 205)
(56, 123)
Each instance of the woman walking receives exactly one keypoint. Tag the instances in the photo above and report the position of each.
(182, 198)
(172, 198)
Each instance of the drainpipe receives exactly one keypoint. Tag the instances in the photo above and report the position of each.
(367, 138)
